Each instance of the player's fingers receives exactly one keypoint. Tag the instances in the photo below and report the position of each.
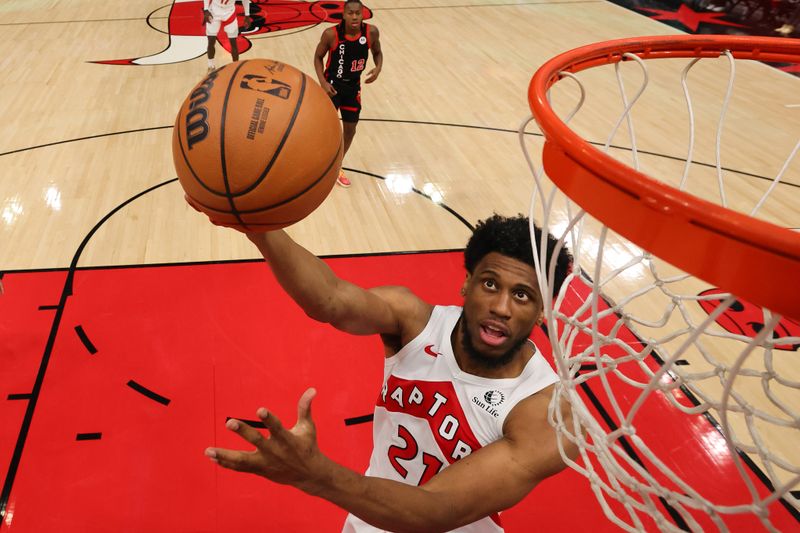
(304, 406)
(248, 433)
(271, 422)
(231, 459)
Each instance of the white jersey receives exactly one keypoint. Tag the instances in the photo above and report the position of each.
(224, 9)
(430, 413)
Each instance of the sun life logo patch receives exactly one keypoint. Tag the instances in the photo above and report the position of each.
(494, 397)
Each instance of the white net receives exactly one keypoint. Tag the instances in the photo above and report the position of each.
(685, 399)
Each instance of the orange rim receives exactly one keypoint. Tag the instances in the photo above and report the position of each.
(751, 258)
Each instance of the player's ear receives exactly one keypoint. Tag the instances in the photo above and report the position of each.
(464, 286)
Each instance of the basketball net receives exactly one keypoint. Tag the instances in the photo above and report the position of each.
(636, 339)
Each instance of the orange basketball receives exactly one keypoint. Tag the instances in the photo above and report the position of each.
(257, 145)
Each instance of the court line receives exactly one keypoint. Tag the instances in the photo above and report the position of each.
(426, 123)
(66, 292)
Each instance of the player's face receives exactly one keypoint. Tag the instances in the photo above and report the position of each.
(352, 15)
(502, 304)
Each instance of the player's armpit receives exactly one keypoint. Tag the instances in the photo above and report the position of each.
(387, 310)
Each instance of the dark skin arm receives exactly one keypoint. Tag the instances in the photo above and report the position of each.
(394, 312)
(323, 47)
(377, 55)
(489, 480)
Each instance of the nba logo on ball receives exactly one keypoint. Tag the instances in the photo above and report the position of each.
(257, 145)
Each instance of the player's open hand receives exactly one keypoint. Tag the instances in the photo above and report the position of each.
(196, 207)
(372, 75)
(287, 456)
(329, 89)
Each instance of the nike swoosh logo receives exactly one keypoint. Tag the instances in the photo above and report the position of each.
(429, 351)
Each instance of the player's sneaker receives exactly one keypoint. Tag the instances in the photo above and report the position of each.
(342, 179)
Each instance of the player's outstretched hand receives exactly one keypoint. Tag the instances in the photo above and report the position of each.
(287, 456)
(194, 205)
(372, 75)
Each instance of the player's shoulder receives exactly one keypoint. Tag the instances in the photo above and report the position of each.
(329, 33)
(531, 412)
(402, 298)
(411, 311)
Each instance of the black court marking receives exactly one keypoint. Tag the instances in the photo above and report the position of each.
(681, 362)
(358, 420)
(425, 123)
(85, 340)
(141, 389)
(258, 424)
(47, 307)
(421, 193)
(676, 517)
(88, 137)
(593, 143)
(20, 396)
(66, 292)
(88, 436)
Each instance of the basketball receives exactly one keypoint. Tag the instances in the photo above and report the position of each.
(257, 145)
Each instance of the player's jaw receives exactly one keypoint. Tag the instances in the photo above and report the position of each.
(489, 343)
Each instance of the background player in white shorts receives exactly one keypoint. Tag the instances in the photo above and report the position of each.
(222, 13)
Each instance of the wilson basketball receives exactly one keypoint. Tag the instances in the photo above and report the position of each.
(257, 145)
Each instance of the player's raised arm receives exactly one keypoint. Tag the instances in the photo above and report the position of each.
(485, 482)
(327, 298)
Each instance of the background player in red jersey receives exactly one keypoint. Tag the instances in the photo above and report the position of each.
(347, 46)
(460, 429)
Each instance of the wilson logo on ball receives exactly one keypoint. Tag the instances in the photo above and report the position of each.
(197, 117)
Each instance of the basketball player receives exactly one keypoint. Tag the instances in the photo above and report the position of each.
(348, 45)
(218, 13)
(460, 426)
